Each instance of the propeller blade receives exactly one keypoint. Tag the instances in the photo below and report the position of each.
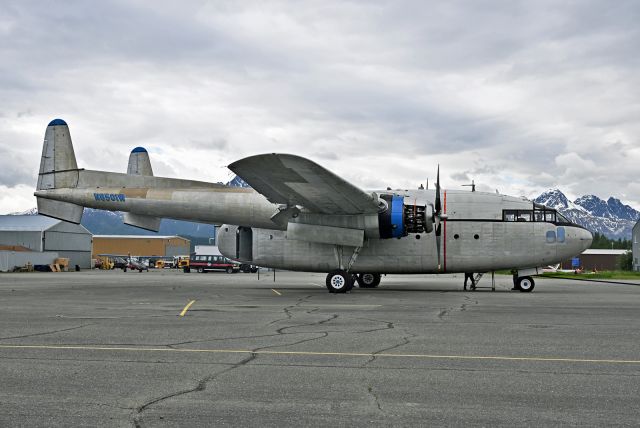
(438, 206)
(438, 248)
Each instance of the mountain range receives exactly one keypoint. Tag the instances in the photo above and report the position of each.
(610, 218)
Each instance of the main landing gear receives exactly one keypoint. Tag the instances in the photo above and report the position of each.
(341, 281)
(369, 280)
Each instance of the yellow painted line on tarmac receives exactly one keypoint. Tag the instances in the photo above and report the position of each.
(276, 291)
(186, 308)
(252, 306)
(320, 354)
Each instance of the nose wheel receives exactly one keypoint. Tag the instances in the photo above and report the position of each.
(339, 281)
(525, 284)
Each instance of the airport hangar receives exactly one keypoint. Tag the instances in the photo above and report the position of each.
(141, 245)
(595, 258)
(39, 240)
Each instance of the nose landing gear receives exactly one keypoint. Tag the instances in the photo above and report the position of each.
(524, 283)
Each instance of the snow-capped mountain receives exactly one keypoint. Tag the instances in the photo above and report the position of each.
(30, 211)
(611, 218)
(237, 182)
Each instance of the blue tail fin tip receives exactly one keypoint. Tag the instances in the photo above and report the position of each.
(57, 122)
(139, 150)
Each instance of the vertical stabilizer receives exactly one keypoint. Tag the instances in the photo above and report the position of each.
(58, 167)
(139, 162)
(58, 170)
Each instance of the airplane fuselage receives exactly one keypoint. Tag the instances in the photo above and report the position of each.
(476, 237)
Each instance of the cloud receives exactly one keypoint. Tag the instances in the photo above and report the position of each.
(512, 95)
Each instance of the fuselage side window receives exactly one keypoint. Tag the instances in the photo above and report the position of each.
(560, 233)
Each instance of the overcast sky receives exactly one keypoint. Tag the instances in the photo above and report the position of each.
(518, 96)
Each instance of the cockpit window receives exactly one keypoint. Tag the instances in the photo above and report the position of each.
(524, 216)
(538, 214)
(563, 219)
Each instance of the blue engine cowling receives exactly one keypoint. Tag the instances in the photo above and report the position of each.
(400, 219)
(391, 220)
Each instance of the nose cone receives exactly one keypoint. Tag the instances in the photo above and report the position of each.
(586, 238)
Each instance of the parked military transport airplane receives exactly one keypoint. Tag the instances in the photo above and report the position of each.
(300, 216)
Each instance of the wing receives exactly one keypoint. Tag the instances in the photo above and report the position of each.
(294, 180)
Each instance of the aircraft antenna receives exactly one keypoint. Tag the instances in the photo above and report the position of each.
(472, 185)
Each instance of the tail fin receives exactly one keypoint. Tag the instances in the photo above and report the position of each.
(140, 164)
(58, 170)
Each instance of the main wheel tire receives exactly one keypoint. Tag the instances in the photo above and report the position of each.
(229, 270)
(526, 284)
(200, 270)
(339, 281)
(369, 280)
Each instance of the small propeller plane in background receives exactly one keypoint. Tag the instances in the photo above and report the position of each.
(300, 216)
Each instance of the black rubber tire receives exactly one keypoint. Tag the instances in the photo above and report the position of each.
(369, 280)
(229, 270)
(339, 281)
(200, 270)
(254, 269)
(526, 284)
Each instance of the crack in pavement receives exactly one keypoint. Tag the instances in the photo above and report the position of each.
(463, 307)
(202, 384)
(47, 332)
(389, 326)
(282, 329)
(287, 309)
(376, 400)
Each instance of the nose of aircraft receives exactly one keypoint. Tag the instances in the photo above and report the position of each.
(585, 237)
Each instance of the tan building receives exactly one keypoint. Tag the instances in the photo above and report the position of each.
(143, 245)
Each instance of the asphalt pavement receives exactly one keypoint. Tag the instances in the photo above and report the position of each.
(166, 348)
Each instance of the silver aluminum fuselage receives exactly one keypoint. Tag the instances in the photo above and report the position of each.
(475, 237)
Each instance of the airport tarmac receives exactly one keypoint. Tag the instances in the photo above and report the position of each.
(100, 348)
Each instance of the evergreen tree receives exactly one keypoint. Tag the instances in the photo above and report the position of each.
(602, 242)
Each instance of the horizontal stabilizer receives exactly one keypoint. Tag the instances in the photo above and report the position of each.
(325, 234)
(61, 210)
(142, 221)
